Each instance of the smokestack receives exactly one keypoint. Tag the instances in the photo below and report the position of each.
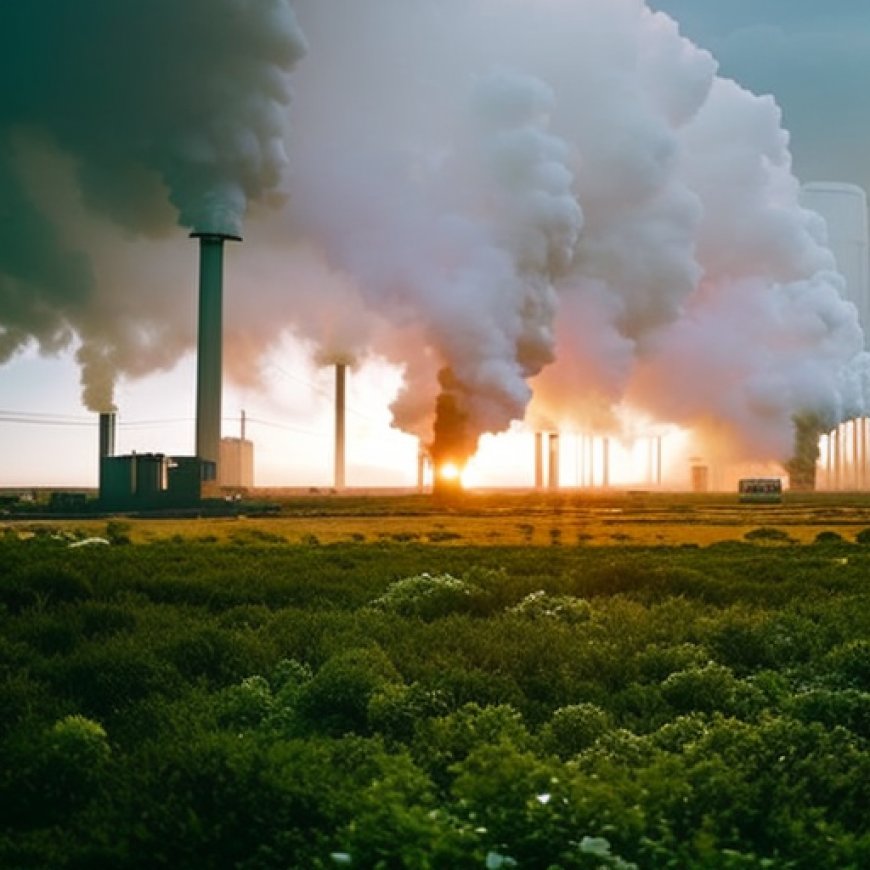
(209, 363)
(107, 434)
(340, 378)
(802, 465)
(539, 460)
(422, 459)
(553, 480)
(658, 460)
(606, 463)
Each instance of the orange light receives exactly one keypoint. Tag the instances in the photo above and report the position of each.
(450, 471)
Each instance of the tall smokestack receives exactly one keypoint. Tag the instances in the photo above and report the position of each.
(802, 465)
(107, 434)
(605, 463)
(340, 378)
(553, 478)
(539, 460)
(209, 364)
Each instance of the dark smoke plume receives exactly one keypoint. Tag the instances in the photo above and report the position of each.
(184, 100)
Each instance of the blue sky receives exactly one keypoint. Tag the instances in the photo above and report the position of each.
(813, 56)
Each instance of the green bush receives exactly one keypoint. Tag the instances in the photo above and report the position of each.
(565, 608)
(766, 533)
(44, 586)
(428, 596)
(704, 689)
(575, 728)
(828, 537)
(336, 700)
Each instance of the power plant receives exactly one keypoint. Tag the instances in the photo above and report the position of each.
(153, 480)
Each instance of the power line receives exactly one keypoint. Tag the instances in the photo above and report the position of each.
(322, 391)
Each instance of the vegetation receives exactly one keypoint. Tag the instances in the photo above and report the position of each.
(260, 702)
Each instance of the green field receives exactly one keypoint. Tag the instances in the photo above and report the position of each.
(532, 683)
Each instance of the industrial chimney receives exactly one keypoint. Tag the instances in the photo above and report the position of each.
(539, 460)
(553, 469)
(107, 434)
(210, 347)
(340, 380)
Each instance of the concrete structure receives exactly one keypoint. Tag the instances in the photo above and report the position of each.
(553, 468)
(236, 466)
(209, 361)
(340, 414)
(844, 209)
(108, 425)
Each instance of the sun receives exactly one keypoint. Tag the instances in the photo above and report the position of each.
(450, 471)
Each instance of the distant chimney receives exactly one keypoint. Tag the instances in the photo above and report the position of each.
(340, 380)
(210, 345)
(539, 460)
(553, 478)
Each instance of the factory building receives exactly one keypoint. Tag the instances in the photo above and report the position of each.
(151, 481)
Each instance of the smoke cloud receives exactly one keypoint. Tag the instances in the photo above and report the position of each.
(149, 101)
(539, 209)
(565, 199)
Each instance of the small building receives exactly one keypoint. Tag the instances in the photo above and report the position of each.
(760, 489)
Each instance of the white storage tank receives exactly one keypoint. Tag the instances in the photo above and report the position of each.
(236, 467)
(844, 209)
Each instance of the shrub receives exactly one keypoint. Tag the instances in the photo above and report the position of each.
(207, 653)
(575, 728)
(45, 586)
(428, 597)
(828, 537)
(118, 532)
(396, 710)
(245, 705)
(767, 533)
(443, 741)
(105, 680)
(53, 773)
(542, 605)
(849, 664)
(863, 537)
(703, 689)
(336, 699)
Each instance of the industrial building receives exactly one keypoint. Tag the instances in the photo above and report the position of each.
(154, 481)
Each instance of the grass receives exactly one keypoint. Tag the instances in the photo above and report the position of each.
(532, 519)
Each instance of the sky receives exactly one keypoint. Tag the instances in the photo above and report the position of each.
(490, 220)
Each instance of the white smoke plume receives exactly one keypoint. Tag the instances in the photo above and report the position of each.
(539, 208)
(695, 288)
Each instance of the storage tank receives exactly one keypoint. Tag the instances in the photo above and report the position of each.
(844, 209)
